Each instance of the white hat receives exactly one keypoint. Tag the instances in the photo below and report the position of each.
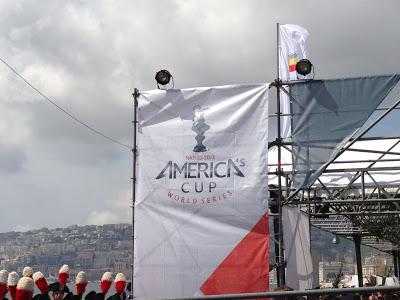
(27, 272)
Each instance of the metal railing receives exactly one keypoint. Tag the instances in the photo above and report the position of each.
(294, 294)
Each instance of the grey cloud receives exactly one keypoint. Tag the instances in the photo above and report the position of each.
(104, 49)
(12, 158)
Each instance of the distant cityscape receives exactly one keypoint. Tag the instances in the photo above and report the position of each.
(97, 249)
(93, 249)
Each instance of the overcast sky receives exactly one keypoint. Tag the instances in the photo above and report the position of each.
(88, 56)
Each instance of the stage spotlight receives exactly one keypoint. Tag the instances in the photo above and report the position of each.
(163, 77)
(304, 67)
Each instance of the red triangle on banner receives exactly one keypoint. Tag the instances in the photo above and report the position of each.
(246, 268)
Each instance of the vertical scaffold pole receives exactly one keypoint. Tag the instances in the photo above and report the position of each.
(134, 154)
(395, 264)
(281, 264)
(398, 260)
(357, 245)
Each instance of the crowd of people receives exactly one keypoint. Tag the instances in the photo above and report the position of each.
(23, 288)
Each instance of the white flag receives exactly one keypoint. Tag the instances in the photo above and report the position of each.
(292, 48)
(201, 222)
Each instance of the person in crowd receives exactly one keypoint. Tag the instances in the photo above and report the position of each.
(3, 283)
(41, 283)
(58, 290)
(284, 288)
(63, 275)
(24, 289)
(119, 285)
(373, 296)
(105, 284)
(386, 296)
(80, 287)
(365, 296)
(129, 289)
(81, 283)
(12, 282)
(27, 272)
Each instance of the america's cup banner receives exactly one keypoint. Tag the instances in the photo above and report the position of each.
(201, 222)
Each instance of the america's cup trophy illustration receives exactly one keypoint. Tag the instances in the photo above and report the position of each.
(200, 127)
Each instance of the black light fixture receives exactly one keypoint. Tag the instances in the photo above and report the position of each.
(304, 67)
(163, 77)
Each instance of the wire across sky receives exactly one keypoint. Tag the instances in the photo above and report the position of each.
(70, 115)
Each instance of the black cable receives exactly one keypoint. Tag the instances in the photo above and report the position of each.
(63, 110)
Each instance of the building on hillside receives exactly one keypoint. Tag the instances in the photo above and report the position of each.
(329, 270)
(377, 265)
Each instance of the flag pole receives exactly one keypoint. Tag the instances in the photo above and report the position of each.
(135, 95)
(277, 51)
(281, 262)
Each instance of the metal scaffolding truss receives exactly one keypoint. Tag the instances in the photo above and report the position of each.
(349, 187)
(358, 194)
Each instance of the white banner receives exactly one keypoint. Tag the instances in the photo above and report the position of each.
(296, 238)
(201, 223)
(292, 48)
